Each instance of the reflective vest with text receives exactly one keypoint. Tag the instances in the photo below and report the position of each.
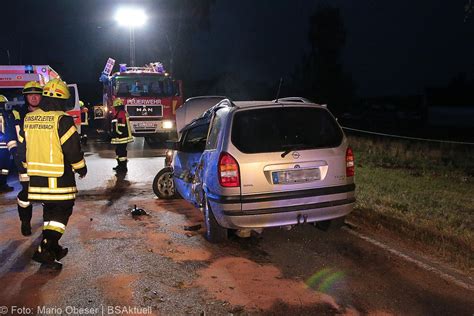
(44, 156)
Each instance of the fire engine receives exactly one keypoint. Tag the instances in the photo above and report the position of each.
(14, 77)
(150, 95)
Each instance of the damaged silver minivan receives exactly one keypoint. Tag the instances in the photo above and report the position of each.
(256, 164)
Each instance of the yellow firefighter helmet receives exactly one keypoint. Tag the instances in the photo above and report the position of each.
(3, 99)
(32, 87)
(118, 102)
(81, 103)
(56, 88)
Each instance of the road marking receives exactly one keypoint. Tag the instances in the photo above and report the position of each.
(418, 263)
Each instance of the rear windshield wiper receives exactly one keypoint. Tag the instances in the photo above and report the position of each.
(291, 148)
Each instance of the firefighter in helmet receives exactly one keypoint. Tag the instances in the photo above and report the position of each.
(121, 135)
(8, 143)
(51, 168)
(33, 94)
(84, 122)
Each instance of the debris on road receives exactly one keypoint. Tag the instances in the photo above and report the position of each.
(192, 227)
(138, 211)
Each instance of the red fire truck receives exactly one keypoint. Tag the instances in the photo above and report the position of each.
(14, 77)
(151, 97)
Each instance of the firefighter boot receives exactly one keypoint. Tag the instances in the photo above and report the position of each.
(84, 140)
(122, 166)
(44, 254)
(26, 228)
(6, 188)
(58, 251)
(117, 166)
(25, 218)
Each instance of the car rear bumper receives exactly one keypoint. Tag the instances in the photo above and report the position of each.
(283, 209)
(286, 216)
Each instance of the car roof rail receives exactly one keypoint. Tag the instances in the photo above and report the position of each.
(298, 99)
(205, 97)
(222, 103)
(293, 99)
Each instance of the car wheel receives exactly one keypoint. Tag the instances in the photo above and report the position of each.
(214, 232)
(163, 184)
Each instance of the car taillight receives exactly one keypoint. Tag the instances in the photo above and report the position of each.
(349, 162)
(229, 175)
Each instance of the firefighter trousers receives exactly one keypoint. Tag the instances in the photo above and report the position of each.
(121, 152)
(55, 216)
(25, 208)
(4, 165)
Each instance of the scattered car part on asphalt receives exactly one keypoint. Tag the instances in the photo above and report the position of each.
(192, 227)
(138, 211)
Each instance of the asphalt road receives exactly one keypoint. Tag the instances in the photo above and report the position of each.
(118, 264)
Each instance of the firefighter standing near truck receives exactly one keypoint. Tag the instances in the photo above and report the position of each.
(53, 154)
(33, 94)
(8, 143)
(84, 122)
(121, 135)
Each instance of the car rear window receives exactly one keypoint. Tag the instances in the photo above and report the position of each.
(284, 128)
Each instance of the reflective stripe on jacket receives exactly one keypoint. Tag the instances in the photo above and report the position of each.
(121, 128)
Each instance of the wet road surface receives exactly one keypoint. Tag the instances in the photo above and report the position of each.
(151, 263)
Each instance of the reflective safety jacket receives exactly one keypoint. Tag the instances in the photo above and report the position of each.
(19, 120)
(121, 131)
(7, 130)
(53, 153)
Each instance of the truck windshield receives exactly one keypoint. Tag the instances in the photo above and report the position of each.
(145, 86)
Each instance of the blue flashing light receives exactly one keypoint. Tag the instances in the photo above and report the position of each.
(29, 69)
(160, 68)
(104, 78)
(122, 67)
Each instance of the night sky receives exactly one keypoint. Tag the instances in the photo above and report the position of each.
(391, 48)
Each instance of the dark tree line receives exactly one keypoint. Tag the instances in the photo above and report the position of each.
(321, 72)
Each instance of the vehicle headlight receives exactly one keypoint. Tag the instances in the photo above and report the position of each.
(167, 124)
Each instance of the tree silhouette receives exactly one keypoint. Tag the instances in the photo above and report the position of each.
(322, 72)
(184, 17)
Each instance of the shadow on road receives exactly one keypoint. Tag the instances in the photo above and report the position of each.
(116, 188)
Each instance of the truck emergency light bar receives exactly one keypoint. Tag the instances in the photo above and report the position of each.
(156, 67)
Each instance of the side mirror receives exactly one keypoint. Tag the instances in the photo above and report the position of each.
(170, 144)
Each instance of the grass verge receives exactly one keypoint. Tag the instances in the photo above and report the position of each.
(422, 198)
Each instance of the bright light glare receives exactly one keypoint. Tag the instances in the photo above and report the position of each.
(130, 17)
(167, 124)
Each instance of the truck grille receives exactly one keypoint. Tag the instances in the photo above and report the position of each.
(145, 110)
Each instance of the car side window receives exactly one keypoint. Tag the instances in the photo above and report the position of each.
(195, 139)
(216, 127)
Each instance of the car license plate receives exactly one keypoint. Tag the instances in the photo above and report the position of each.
(146, 124)
(296, 176)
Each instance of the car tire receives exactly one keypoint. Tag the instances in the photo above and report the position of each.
(163, 184)
(214, 232)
